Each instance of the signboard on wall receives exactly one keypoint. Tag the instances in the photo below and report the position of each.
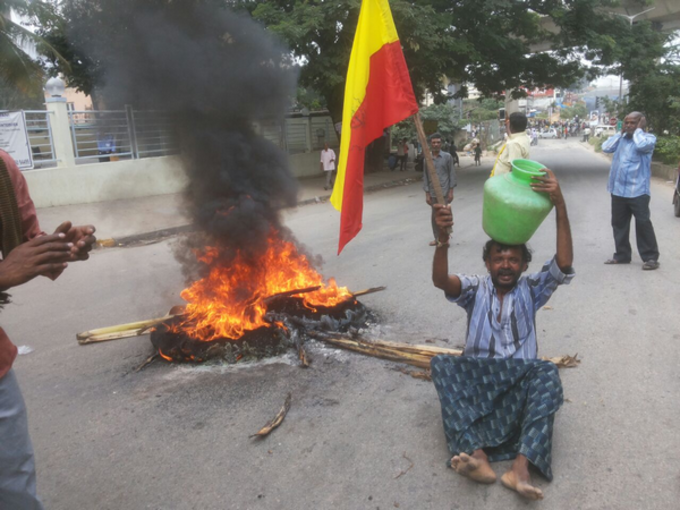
(14, 138)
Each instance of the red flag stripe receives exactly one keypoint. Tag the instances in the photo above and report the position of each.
(389, 99)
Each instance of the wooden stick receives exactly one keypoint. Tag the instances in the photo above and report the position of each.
(289, 293)
(368, 291)
(147, 362)
(276, 421)
(429, 162)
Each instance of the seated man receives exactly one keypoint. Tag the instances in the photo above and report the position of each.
(498, 400)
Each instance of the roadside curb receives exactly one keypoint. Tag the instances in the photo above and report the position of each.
(663, 171)
(159, 235)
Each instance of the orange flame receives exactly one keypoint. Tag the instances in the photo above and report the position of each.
(230, 300)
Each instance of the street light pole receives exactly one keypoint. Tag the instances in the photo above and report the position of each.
(630, 19)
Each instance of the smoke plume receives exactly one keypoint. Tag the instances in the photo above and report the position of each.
(217, 73)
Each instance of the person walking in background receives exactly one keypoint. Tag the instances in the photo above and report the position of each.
(478, 155)
(629, 187)
(517, 145)
(402, 154)
(454, 154)
(586, 134)
(328, 165)
(443, 165)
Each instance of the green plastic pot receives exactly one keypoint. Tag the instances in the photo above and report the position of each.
(512, 210)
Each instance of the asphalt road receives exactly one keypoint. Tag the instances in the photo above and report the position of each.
(359, 434)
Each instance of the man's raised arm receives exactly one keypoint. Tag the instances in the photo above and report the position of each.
(611, 143)
(565, 251)
(450, 284)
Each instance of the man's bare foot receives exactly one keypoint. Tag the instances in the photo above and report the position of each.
(512, 481)
(474, 468)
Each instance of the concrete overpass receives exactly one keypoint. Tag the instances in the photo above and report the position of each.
(666, 15)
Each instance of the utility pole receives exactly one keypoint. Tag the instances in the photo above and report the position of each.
(630, 19)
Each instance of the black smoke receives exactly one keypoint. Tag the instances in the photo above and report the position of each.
(217, 73)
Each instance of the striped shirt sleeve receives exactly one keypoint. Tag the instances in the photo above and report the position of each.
(468, 291)
(544, 283)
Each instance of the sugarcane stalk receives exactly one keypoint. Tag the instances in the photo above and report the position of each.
(424, 350)
(387, 353)
(120, 331)
(139, 328)
(416, 355)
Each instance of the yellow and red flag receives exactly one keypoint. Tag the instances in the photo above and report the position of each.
(378, 94)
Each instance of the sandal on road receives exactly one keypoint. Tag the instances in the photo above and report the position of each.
(614, 261)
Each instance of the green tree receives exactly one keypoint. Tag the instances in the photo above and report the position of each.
(654, 78)
(569, 112)
(20, 74)
(486, 43)
(445, 115)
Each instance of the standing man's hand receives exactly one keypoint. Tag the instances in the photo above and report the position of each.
(428, 199)
(549, 184)
(642, 123)
(44, 255)
(449, 196)
(81, 237)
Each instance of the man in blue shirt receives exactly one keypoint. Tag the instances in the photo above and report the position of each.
(498, 400)
(629, 186)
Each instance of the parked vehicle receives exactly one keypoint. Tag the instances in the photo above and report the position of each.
(548, 133)
(676, 195)
(605, 130)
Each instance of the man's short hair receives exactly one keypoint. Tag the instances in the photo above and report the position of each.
(518, 122)
(526, 252)
(435, 135)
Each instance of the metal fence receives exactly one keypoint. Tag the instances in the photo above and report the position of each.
(40, 137)
(109, 135)
(300, 133)
(100, 134)
(153, 134)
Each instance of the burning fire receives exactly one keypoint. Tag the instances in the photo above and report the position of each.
(231, 300)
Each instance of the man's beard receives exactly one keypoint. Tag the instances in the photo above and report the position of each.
(505, 286)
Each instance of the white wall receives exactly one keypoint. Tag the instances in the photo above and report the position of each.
(306, 164)
(102, 182)
(72, 183)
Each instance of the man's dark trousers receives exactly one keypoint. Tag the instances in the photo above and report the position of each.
(622, 210)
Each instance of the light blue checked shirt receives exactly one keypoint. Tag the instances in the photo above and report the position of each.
(631, 165)
(515, 335)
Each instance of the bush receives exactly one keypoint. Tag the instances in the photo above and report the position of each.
(667, 150)
(597, 142)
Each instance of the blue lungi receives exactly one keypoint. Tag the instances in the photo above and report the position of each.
(503, 406)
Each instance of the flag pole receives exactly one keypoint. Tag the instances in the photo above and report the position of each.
(429, 162)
